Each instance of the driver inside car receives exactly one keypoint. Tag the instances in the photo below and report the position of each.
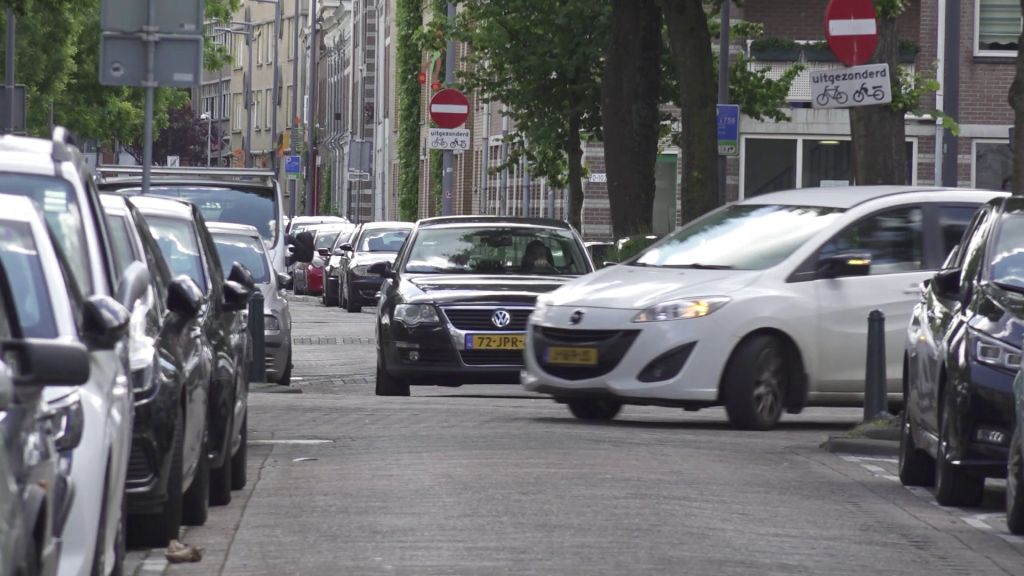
(536, 257)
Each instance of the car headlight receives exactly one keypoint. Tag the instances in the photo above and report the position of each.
(413, 314)
(681, 309)
(271, 323)
(993, 352)
(360, 270)
(141, 349)
(317, 262)
(68, 421)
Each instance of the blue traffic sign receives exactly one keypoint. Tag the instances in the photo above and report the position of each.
(293, 165)
(728, 130)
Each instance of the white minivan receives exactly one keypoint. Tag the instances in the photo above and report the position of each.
(760, 306)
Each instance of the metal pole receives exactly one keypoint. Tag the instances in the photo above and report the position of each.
(486, 145)
(940, 75)
(220, 111)
(51, 116)
(248, 96)
(503, 201)
(723, 87)
(311, 113)
(209, 137)
(449, 156)
(293, 185)
(551, 203)
(276, 94)
(876, 399)
(526, 181)
(951, 93)
(147, 131)
(9, 70)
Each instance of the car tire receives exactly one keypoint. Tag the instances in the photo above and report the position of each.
(349, 306)
(1015, 486)
(157, 530)
(286, 376)
(954, 485)
(241, 458)
(220, 483)
(121, 543)
(595, 410)
(196, 500)
(99, 556)
(754, 384)
(916, 467)
(387, 385)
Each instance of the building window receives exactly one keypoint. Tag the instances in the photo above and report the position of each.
(269, 97)
(770, 165)
(289, 29)
(257, 100)
(239, 50)
(992, 165)
(288, 105)
(236, 121)
(997, 27)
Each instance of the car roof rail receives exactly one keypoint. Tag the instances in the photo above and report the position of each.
(62, 138)
(190, 172)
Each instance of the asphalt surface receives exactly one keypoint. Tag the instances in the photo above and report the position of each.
(485, 480)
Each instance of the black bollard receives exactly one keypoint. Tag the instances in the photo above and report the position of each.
(259, 343)
(876, 399)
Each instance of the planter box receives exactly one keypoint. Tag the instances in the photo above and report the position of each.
(776, 54)
(907, 56)
(820, 55)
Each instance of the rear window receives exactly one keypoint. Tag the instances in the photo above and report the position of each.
(180, 247)
(246, 251)
(20, 259)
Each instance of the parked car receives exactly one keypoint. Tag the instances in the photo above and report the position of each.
(310, 275)
(171, 389)
(371, 243)
(963, 348)
(29, 442)
(17, 545)
(760, 306)
(331, 265)
(182, 235)
(241, 244)
(303, 223)
(454, 304)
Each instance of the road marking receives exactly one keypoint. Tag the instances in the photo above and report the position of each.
(979, 524)
(275, 442)
(861, 27)
(876, 469)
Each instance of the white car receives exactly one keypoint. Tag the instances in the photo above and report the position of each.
(760, 306)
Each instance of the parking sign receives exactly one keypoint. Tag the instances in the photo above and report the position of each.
(728, 130)
(292, 167)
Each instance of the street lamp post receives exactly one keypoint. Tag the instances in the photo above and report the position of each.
(248, 84)
(277, 70)
(209, 136)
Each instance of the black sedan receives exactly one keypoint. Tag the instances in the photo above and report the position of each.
(371, 243)
(455, 303)
(962, 353)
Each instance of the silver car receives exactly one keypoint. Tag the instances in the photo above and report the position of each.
(238, 243)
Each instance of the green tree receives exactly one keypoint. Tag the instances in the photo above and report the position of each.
(408, 19)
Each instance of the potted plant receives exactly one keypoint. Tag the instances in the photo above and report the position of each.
(775, 50)
(819, 52)
(908, 51)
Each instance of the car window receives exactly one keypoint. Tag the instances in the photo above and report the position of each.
(892, 238)
(177, 241)
(970, 258)
(246, 251)
(1007, 260)
(493, 250)
(158, 269)
(20, 258)
(325, 240)
(953, 222)
(124, 248)
(382, 240)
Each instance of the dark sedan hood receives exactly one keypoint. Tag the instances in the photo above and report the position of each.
(1000, 314)
(461, 288)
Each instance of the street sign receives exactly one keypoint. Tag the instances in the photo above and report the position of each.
(448, 139)
(728, 129)
(172, 16)
(179, 60)
(449, 108)
(360, 156)
(598, 177)
(173, 161)
(292, 167)
(19, 108)
(848, 87)
(851, 28)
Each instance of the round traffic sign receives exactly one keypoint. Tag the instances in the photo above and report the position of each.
(449, 108)
(851, 28)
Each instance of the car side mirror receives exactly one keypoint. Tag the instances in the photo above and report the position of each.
(946, 283)
(236, 296)
(134, 284)
(241, 275)
(845, 265)
(104, 322)
(346, 247)
(382, 269)
(303, 247)
(40, 363)
(284, 281)
(324, 252)
(184, 297)
(339, 252)
(6, 387)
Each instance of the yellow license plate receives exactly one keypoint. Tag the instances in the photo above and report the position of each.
(496, 342)
(578, 356)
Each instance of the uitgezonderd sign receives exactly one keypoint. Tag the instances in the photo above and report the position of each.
(847, 87)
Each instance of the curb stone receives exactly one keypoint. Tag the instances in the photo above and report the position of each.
(838, 444)
(272, 389)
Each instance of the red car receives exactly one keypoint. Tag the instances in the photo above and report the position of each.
(315, 276)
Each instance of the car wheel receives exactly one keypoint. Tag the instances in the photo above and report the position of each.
(916, 466)
(754, 385)
(1015, 486)
(99, 556)
(121, 544)
(595, 410)
(241, 458)
(954, 485)
(220, 480)
(286, 376)
(387, 385)
(349, 305)
(196, 501)
(157, 530)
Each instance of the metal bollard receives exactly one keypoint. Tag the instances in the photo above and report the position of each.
(876, 399)
(259, 344)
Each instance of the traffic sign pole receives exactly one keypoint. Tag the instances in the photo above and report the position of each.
(449, 156)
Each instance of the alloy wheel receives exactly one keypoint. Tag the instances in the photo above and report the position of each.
(768, 383)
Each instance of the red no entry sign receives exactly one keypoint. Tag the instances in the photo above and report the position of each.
(449, 108)
(851, 28)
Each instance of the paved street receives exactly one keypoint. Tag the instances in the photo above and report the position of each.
(490, 480)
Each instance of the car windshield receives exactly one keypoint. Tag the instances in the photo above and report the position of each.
(245, 250)
(1007, 264)
(325, 240)
(382, 239)
(250, 206)
(741, 236)
(124, 254)
(20, 257)
(64, 215)
(178, 243)
(490, 250)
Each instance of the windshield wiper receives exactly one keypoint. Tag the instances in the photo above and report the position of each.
(701, 266)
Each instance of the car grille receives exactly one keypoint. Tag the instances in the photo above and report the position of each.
(140, 467)
(479, 319)
(492, 357)
(561, 335)
(612, 346)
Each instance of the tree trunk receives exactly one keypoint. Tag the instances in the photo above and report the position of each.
(575, 155)
(629, 113)
(690, 41)
(879, 132)
(1017, 103)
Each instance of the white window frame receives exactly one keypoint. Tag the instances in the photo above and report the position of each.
(977, 37)
(974, 155)
(238, 101)
(239, 51)
(268, 109)
(257, 100)
(799, 167)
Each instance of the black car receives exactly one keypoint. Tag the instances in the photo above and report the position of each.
(963, 351)
(171, 390)
(184, 240)
(331, 294)
(371, 243)
(455, 303)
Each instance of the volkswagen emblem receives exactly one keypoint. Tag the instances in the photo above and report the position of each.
(576, 317)
(501, 318)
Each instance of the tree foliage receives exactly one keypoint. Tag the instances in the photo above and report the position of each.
(408, 19)
(184, 136)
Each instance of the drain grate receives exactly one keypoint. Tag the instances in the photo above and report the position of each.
(318, 341)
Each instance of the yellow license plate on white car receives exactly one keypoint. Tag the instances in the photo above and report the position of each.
(572, 356)
(495, 341)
